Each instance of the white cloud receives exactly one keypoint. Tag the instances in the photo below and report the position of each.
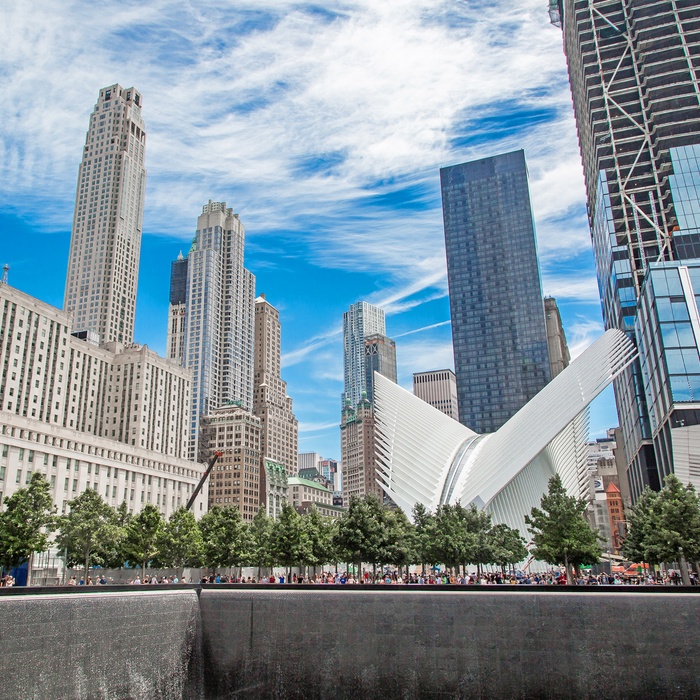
(323, 126)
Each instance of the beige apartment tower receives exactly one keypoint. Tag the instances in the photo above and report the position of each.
(105, 247)
(279, 428)
(559, 356)
(439, 389)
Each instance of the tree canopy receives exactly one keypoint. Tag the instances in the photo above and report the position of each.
(560, 531)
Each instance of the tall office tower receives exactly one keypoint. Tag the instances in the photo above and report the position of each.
(235, 478)
(380, 356)
(175, 344)
(105, 246)
(309, 460)
(358, 448)
(360, 321)
(219, 310)
(439, 389)
(559, 356)
(279, 430)
(498, 331)
(634, 80)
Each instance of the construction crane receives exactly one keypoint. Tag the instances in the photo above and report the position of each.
(210, 466)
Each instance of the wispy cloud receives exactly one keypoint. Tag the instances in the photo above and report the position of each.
(423, 329)
(323, 125)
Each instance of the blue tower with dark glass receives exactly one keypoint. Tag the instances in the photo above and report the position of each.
(498, 326)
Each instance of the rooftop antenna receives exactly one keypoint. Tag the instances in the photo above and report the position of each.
(5, 270)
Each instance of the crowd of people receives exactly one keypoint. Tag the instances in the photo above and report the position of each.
(394, 578)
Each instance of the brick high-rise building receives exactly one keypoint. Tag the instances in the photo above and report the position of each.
(235, 478)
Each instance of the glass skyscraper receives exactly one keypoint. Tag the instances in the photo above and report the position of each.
(359, 322)
(498, 327)
(634, 73)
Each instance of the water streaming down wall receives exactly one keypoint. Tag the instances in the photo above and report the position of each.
(101, 646)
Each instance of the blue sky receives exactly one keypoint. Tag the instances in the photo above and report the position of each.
(324, 126)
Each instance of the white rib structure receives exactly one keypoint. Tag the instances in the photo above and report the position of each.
(427, 457)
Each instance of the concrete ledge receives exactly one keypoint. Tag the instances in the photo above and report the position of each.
(226, 641)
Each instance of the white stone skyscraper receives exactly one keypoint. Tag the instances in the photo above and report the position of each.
(103, 263)
(219, 311)
(359, 321)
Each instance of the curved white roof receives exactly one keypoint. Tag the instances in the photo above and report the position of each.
(427, 457)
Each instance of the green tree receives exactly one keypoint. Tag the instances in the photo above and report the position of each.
(143, 536)
(560, 531)
(181, 540)
(89, 527)
(290, 541)
(319, 534)
(451, 543)
(507, 546)
(361, 535)
(28, 514)
(111, 554)
(226, 538)
(399, 547)
(478, 525)
(423, 533)
(642, 522)
(261, 535)
(677, 538)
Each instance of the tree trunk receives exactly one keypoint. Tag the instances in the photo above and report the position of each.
(29, 569)
(87, 565)
(682, 562)
(569, 573)
(143, 569)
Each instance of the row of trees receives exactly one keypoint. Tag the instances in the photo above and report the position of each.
(663, 527)
(94, 533)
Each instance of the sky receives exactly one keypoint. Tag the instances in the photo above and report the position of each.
(324, 126)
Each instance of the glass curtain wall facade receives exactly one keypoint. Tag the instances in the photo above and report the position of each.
(668, 333)
(498, 326)
(634, 68)
(359, 321)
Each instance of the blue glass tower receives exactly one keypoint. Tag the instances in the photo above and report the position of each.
(498, 327)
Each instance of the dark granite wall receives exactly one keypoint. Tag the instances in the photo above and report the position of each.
(289, 642)
(357, 644)
(101, 645)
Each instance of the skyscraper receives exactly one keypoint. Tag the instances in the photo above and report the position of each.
(634, 81)
(439, 389)
(219, 309)
(359, 321)
(279, 430)
(498, 329)
(559, 356)
(105, 247)
(380, 356)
